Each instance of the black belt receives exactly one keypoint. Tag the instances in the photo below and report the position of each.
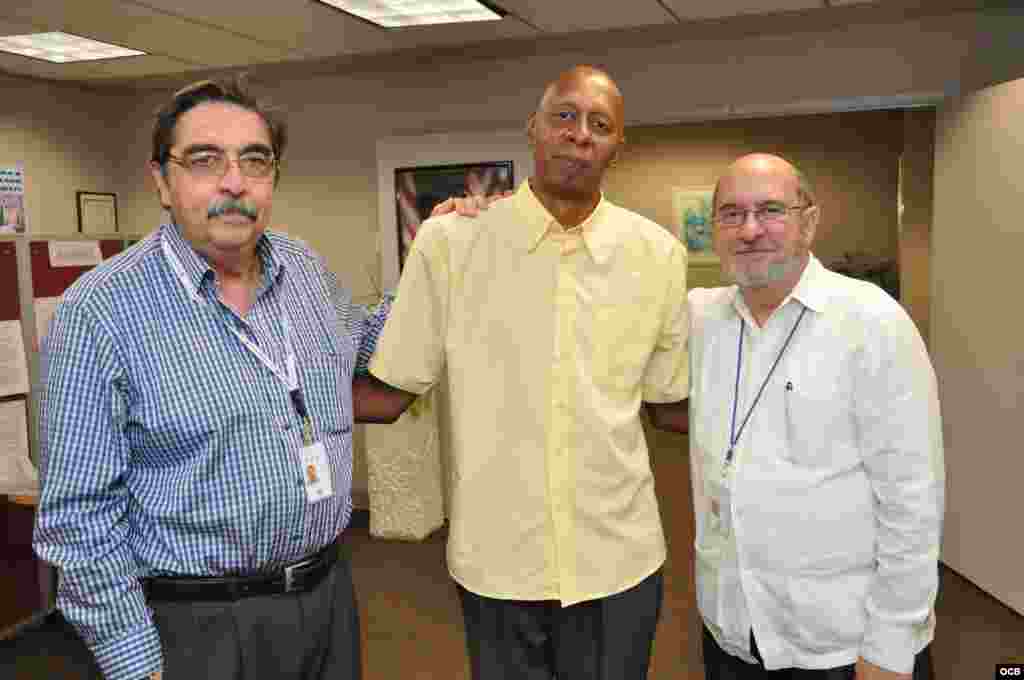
(296, 577)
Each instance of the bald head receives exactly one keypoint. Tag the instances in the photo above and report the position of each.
(766, 164)
(572, 78)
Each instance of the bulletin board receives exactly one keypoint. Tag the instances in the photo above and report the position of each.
(10, 305)
(48, 281)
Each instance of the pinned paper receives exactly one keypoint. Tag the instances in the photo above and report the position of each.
(13, 367)
(75, 253)
(18, 475)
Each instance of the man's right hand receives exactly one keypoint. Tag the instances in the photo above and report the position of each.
(467, 206)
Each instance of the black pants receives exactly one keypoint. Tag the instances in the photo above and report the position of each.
(292, 636)
(605, 639)
(720, 665)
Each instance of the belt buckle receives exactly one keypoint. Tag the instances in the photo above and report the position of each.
(289, 574)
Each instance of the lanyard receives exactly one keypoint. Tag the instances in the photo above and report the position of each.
(289, 375)
(734, 434)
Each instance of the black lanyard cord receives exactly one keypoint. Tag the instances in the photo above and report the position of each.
(734, 435)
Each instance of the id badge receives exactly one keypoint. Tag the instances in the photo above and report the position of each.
(721, 503)
(316, 472)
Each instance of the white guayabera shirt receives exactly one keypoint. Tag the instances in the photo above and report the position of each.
(822, 536)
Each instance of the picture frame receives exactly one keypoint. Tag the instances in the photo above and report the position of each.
(97, 212)
(692, 207)
(419, 188)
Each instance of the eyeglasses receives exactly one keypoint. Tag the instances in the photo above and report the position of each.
(766, 214)
(214, 163)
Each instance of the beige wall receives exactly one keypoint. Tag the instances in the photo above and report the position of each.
(64, 137)
(329, 195)
(915, 228)
(976, 341)
(851, 158)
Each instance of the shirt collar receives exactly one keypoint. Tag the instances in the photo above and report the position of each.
(598, 233)
(197, 268)
(810, 290)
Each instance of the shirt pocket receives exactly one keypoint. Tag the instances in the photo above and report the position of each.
(624, 336)
(817, 419)
(325, 376)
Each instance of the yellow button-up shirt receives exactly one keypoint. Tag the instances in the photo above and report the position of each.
(551, 340)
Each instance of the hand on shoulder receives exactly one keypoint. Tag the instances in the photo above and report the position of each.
(467, 206)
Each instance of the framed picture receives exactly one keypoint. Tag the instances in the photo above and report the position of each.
(692, 207)
(97, 212)
(419, 189)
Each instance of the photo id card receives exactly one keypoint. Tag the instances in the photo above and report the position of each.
(316, 472)
(721, 504)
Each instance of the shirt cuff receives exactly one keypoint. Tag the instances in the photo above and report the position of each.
(134, 656)
(893, 647)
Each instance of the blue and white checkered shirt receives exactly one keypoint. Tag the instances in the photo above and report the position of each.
(167, 447)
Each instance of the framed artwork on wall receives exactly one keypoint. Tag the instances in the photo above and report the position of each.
(97, 212)
(419, 189)
(692, 209)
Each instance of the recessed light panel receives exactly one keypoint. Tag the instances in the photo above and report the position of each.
(62, 48)
(395, 13)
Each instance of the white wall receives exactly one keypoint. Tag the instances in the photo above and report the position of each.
(976, 331)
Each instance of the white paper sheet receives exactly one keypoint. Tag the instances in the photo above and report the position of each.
(13, 367)
(18, 475)
(45, 309)
(75, 253)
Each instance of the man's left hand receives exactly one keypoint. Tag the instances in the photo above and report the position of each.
(869, 671)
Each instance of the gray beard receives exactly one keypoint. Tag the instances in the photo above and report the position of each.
(774, 273)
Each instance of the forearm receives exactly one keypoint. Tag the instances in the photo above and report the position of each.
(673, 417)
(374, 401)
(99, 593)
(128, 653)
(901, 440)
(901, 598)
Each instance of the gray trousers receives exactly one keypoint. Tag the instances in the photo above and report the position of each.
(605, 639)
(292, 636)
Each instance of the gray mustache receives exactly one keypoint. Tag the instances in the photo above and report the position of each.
(232, 205)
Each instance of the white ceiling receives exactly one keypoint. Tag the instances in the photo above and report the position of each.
(186, 38)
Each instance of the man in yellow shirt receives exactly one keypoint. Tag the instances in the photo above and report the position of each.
(554, 315)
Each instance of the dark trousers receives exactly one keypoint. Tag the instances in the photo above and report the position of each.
(720, 665)
(605, 639)
(292, 636)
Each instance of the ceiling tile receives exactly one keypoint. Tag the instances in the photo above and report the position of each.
(694, 10)
(565, 17)
(289, 25)
(132, 25)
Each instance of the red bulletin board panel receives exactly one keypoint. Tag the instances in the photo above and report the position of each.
(50, 281)
(10, 309)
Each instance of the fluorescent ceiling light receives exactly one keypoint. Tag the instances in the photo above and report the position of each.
(393, 13)
(61, 48)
